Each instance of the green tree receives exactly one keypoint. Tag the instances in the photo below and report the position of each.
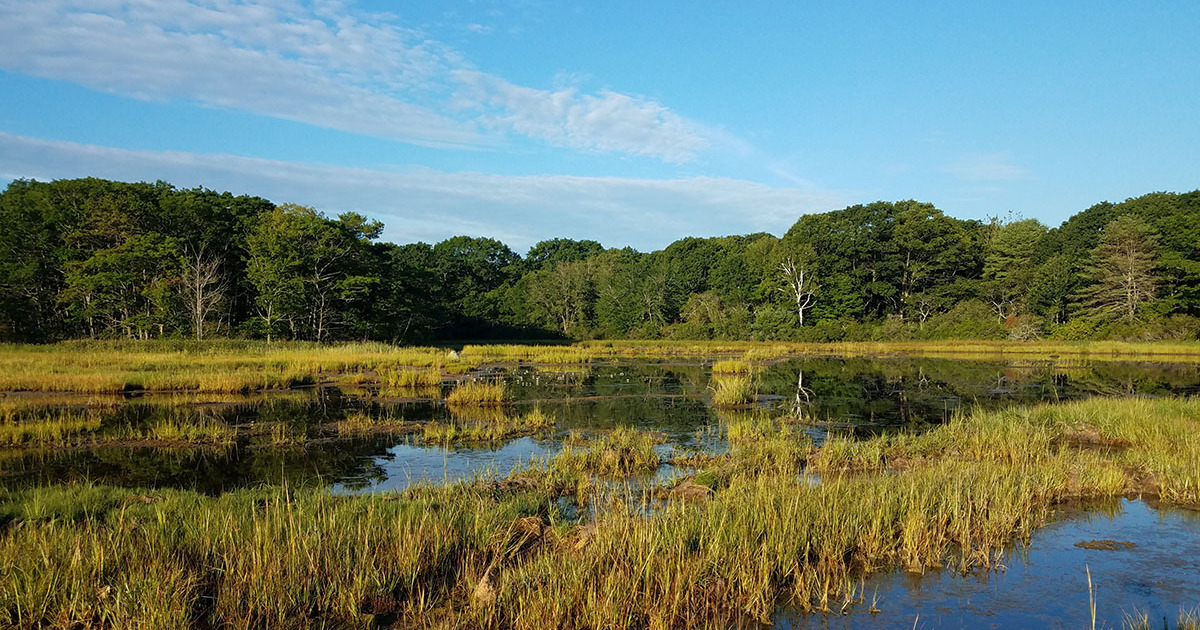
(1122, 269)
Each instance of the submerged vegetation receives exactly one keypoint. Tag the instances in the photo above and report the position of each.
(501, 554)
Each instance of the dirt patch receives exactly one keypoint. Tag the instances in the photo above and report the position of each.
(689, 490)
(1086, 435)
(1105, 545)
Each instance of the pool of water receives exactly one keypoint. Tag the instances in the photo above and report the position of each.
(1045, 584)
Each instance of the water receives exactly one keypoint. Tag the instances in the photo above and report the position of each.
(1045, 585)
(860, 396)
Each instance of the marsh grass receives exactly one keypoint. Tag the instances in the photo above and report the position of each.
(478, 393)
(621, 452)
(733, 391)
(63, 427)
(361, 423)
(498, 428)
(411, 378)
(497, 554)
(108, 367)
(731, 366)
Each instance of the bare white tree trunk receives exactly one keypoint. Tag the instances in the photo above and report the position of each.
(800, 285)
(204, 287)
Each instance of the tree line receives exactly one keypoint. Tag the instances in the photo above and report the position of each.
(98, 258)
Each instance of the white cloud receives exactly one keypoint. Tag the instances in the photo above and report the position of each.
(432, 205)
(319, 63)
(605, 122)
(986, 167)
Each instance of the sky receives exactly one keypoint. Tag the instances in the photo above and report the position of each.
(628, 122)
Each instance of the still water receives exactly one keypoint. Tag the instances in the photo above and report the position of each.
(860, 396)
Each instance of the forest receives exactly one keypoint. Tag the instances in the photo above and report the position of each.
(92, 258)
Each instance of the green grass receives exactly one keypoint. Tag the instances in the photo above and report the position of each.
(621, 452)
(731, 366)
(502, 427)
(58, 428)
(230, 366)
(478, 393)
(733, 391)
(411, 378)
(361, 423)
(496, 554)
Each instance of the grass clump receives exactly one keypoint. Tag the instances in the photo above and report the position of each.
(57, 429)
(731, 366)
(732, 391)
(478, 393)
(412, 378)
(362, 423)
(622, 452)
(489, 430)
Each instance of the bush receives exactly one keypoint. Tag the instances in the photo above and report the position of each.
(969, 319)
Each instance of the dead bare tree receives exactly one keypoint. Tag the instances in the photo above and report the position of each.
(204, 286)
(799, 285)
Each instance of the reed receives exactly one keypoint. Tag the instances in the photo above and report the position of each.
(411, 378)
(495, 429)
(498, 554)
(731, 366)
(621, 452)
(478, 393)
(732, 391)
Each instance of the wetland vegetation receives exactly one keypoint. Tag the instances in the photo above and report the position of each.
(605, 486)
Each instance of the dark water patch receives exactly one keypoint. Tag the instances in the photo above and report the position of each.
(1045, 585)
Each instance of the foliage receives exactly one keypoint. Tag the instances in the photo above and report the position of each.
(101, 259)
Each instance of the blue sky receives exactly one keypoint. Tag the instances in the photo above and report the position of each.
(631, 123)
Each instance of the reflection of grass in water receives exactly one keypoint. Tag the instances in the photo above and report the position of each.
(478, 393)
(483, 554)
(499, 427)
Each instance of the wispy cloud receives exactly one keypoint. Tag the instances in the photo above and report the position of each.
(432, 205)
(607, 121)
(986, 167)
(320, 63)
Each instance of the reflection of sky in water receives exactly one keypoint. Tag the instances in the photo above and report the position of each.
(1045, 586)
(404, 464)
(859, 395)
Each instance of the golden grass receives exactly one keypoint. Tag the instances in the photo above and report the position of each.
(478, 393)
(486, 554)
(731, 366)
(233, 367)
(619, 453)
(500, 427)
(732, 391)
(411, 378)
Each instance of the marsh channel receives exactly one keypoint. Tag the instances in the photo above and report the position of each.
(1041, 584)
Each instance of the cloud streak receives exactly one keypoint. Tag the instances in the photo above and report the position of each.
(432, 205)
(986, 167)
(322, 64)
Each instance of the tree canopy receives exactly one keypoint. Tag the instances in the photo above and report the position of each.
(98, 258)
